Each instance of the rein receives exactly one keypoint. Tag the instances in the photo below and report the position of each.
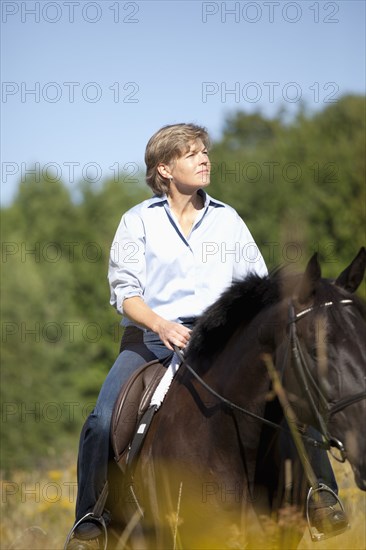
(308, 382)
(231, 405)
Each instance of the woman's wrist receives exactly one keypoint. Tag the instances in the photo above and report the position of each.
(157, 324)
(139, 312)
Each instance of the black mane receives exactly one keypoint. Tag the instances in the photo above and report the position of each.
(243, 300)
(236, 306)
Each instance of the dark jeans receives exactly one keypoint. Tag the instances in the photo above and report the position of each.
(137, 348)
(318, 457)
(320, 462)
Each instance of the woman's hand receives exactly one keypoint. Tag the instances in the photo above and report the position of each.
(173, 334)
(169, 332)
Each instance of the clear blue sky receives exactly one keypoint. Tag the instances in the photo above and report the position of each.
(85, 84)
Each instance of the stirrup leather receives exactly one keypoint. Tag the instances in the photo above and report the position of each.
(99, 520)
(315, 534)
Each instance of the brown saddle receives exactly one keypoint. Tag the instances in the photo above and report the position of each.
(132, 402)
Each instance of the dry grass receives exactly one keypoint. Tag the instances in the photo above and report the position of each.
(37, 511)
(354, 502)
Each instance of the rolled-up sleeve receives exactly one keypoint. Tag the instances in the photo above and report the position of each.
(127, 266)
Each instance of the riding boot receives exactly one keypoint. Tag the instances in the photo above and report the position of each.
(325, 513)
(90, 532)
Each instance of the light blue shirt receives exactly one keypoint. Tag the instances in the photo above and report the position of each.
(177, 276)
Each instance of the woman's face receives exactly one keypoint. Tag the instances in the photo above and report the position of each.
(192, 170)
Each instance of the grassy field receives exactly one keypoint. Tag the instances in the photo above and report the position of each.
(37, 511)
(354, 502)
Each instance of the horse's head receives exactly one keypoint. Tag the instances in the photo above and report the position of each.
(325, 357)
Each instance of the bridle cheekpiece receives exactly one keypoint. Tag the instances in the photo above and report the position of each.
(310, 386)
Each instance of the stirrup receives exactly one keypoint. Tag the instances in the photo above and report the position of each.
(315, 534)
(99, 520)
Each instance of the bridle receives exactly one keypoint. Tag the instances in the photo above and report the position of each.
(309, 385)
(312, 389)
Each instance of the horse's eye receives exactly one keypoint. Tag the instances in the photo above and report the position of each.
(313, 352)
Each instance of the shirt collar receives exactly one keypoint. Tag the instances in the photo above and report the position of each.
(207, 200)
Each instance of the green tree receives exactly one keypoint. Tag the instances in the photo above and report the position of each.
(299, 185)
(60, 335)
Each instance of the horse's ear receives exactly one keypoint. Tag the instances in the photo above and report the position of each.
(351, 278)
(309, 280)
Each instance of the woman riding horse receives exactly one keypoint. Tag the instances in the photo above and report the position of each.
(172, 256)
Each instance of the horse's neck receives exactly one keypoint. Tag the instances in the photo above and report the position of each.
(239, 372)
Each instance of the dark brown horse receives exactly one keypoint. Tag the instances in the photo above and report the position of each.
(199, 478)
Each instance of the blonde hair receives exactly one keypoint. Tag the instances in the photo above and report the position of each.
(166, 145)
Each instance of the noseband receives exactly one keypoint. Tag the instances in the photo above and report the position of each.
(312, 389)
